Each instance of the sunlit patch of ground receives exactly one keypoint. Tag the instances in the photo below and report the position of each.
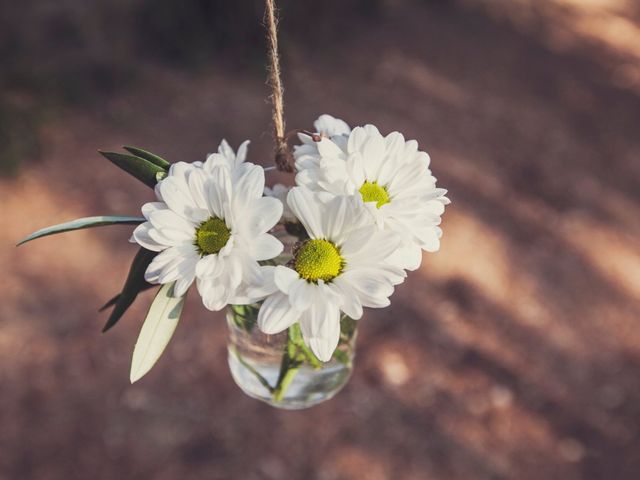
(613, 25)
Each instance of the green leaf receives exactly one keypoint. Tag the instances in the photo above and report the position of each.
(342, 357)
(142, 169)
(156, 331)
(134, 284)
(245, 316)
(81, 223)
(152, 157)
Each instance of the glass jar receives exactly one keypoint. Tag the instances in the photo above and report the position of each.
(280, 369)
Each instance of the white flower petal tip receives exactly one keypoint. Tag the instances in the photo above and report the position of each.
(276, 314)
(266, 247)
(210, 225)
(306, 207)
(226, 156)
(322, 348)
(284, 278)
(330, 126)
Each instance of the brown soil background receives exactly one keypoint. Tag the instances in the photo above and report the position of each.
(514, 353)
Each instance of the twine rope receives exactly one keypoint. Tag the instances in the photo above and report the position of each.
(282, 153)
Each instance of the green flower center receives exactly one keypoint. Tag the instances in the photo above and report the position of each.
(318, 260)
(211, 236)
(372, 192)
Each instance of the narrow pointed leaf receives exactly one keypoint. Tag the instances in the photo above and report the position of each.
(134, 284)
(156, 331)
(152, 157)
(80, 223)
(142, 169)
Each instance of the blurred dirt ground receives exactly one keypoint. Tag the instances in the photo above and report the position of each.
(514, 353)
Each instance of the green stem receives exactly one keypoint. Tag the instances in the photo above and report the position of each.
(296, 341)
(291, 361)
(283, 383)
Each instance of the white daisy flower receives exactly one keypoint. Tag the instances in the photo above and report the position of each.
(340, 268)
(325, 126)
(280, 192)
(210, 224)
(390, 175)
(226, 156)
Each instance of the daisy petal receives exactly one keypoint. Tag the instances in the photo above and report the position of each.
(241, 156)
(276, 314)
(210, 266)
(214, 294)
(284, 277)
(328, 149)
(182, 285)
(225, 149)
(197, 181)
(407, 256)
(302, 293)
(350, 302)
(266, 247)
(151, 207)
(219, 190)
(333, 224)
(172, 264)
(320, 326)
(372, 287)
(141, 236)
(175, 193)
(250, 185)
(304, 206)
(252, 293)
(331, 126)
(261, 214)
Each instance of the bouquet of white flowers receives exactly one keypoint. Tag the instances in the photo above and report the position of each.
(304, 260)
(364, 208)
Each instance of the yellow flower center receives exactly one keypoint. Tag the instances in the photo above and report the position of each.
(211, 236)
(318, 260)
(372, 192)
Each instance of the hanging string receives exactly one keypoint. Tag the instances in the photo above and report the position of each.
(282, 153)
